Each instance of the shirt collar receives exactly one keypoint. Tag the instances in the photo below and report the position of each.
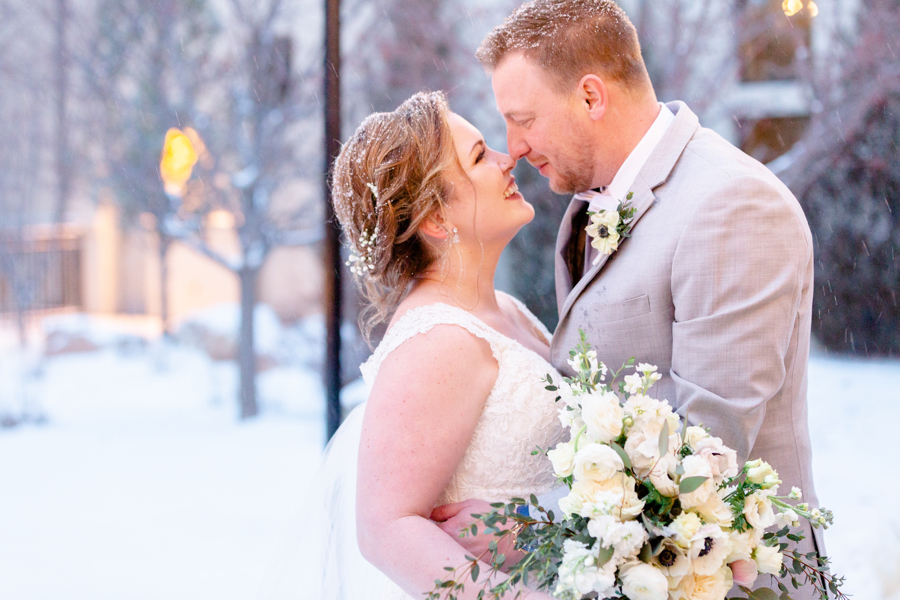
(632, 166)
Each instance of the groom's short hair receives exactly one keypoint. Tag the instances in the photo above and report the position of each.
(569, 39)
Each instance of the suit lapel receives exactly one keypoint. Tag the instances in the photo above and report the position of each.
(564, 281)
(642, 200)
(653, 174)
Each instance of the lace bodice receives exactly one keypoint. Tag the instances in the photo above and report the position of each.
(518, 416)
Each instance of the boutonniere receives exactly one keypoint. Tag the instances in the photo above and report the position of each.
(607, 228)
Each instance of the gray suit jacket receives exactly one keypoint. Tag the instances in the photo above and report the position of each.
(715, 288)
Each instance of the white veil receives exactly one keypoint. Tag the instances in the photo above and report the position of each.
(331, 566)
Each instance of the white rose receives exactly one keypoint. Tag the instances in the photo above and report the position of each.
(571, 504)
(563, 459)
(697, 466)
(768, 559)
(597, 462)
(722, 459)
(643, 582)
(703, 587)
(694, 434)
(661, 475)
(714, 510)
(743, 544)
(758, 510)
(603, 416)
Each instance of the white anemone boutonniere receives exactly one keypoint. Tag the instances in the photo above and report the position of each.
(607, 228)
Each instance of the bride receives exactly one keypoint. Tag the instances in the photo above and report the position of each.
(456, 403)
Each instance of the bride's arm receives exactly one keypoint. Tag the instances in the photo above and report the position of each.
(420, 417)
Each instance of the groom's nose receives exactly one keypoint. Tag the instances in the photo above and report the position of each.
(516, 145)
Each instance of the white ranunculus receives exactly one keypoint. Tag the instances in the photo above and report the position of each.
(563, 459)
(703, 587)
(603, 416)
(686, 526)
(641, 581)
(768, 559)
(597, 462)
(621, 488)
(758, 510)
(697, 466)
(722, 459)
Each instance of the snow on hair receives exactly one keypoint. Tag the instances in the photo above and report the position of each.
(569, 39)
(406, 155)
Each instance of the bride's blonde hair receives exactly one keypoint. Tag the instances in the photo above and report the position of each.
(388, 179)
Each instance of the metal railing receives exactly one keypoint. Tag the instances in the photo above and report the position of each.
(40, 274)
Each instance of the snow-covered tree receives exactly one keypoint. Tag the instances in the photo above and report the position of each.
(846, 173)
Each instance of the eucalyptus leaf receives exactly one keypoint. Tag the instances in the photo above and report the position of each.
(690, 484)
(621, 454)
(664, 439)
(646, 553)
(763, 594)
(605, 555)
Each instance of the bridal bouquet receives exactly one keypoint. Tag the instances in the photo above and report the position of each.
(656, 509)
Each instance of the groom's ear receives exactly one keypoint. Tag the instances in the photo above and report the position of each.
(593, 96)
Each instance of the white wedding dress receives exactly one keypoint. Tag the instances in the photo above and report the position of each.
(518, 416)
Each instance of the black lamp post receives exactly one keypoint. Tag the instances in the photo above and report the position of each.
(332, 232)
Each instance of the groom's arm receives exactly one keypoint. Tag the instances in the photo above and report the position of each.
(737, 280)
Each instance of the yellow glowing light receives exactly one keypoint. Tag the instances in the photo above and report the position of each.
(177, 161)
(812, 8)
(792, 7)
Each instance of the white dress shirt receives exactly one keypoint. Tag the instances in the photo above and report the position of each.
(609, 197)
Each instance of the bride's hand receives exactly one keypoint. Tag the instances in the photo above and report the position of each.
(455, 518)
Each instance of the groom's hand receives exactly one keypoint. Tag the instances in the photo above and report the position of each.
(455, 518)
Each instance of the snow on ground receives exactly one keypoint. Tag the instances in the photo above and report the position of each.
(142, 483)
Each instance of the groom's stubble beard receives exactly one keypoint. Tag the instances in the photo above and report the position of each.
(574, 165)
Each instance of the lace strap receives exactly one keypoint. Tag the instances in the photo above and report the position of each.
(530, 316)
(421, 320)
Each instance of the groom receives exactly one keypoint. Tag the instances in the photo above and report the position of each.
(714, 286)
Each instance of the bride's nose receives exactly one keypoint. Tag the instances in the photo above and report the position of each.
(506, 162)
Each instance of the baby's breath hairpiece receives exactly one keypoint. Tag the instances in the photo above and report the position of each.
(362, 258)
